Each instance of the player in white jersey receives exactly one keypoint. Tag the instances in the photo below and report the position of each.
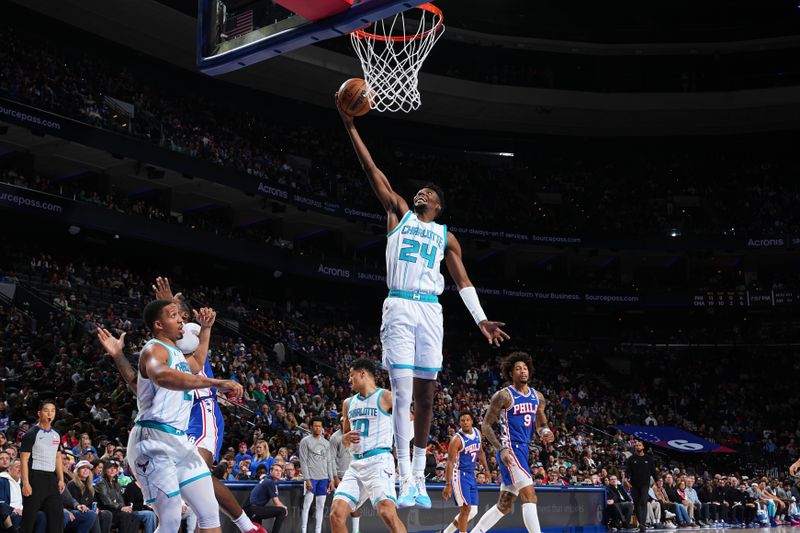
(368, 433)
(165, 462)
(412, 331)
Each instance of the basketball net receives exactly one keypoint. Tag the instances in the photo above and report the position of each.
(391, 57)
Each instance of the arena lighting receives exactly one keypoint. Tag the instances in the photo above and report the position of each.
(498, 154)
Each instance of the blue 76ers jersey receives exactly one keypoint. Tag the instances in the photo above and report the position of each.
(414, 252)
(468, 455)
(199, 394)
(520, 417)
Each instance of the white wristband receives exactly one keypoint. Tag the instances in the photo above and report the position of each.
(470, 297)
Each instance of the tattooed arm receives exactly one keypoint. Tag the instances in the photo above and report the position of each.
(542, 427)
(500, 401)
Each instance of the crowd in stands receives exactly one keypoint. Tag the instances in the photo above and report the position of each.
(722, 190)
(303, 374)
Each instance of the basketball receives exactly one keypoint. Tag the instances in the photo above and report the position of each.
(353, 97)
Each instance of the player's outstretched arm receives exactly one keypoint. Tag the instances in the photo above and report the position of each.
(206, 318)
(500, 401)
(394, 204)
(455, 265)
(153, 363)
(114, 347)
(542, 427)
(452, 456)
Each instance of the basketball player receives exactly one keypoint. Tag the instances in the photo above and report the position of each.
(317, 465)
(206, 423)
(519, 410)
(368, 432)
(165, 462)
(411, 329)
(342, 458)
(464, 451)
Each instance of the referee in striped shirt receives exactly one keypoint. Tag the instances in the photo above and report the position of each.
(42, 473)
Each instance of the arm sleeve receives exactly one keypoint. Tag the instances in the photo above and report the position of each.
(28, 440)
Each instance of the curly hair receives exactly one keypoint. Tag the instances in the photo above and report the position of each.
(507, 366)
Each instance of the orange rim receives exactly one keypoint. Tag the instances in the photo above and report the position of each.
(361, 34)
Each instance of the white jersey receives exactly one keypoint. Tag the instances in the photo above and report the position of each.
(375, 424)
(164, 406)
(414, 252)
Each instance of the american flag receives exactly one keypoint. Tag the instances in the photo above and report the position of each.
(240, 24)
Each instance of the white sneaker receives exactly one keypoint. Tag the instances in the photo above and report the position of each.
(671, 525)
(669, 515)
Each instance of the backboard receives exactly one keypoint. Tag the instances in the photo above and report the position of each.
(233, 34)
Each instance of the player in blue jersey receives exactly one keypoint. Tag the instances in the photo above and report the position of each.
(518, 410)
(464, 452)
(411, 330)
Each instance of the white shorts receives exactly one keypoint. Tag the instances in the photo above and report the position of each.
(371, 479)
(163, 460)
(411, 334)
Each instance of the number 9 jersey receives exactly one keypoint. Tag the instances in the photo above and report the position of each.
(414, 252)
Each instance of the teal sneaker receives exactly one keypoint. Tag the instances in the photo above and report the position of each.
(422, 499)
(408, 493)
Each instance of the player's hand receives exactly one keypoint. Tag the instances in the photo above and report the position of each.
(336, 482)
(794, 468)
(308, 484)
(330, 488)
(26, 489)
(505, 456)
(447, 491)
(162, 290)
(112, 345)
(351, 437)
(205, 317)
(347, 119)
(491, 330)
(234, 388)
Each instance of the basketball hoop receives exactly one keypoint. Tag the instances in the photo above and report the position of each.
(391, 57)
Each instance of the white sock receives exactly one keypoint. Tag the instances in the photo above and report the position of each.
(451, 528)
(320, 512)
(531, 518)
(307, 499)
(402, 389)
(244, 523)
(488, 520)
(419, 461)
(356, 520)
